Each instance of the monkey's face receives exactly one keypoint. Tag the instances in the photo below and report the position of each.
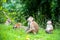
(30, 19)
(49, 22)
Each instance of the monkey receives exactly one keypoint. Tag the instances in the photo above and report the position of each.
(49, 27)
(17, 25)
(33, 27)
(8, 22)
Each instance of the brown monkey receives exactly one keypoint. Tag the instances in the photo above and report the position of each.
(49, 27)
(33, 26)
(17, 25)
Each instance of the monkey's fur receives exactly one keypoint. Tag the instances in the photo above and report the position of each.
(33, 26)
(49, 27)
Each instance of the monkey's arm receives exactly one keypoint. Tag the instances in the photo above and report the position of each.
(31, 28)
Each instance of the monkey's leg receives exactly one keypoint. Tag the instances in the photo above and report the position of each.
(29, 30)
(34, 32)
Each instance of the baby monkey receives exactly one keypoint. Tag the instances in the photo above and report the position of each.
(17, 25)
(8, 22)
(49, 27)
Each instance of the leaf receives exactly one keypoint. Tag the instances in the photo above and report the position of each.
(0, 7)
(4, 0)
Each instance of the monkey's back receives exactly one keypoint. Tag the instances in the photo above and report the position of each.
(18, 25)
(36, 26)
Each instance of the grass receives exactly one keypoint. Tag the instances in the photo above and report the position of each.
(8, 33)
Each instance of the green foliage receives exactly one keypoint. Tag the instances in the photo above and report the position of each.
(20, 10)
(2, 19)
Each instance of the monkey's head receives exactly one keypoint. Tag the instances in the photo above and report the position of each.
(49, 22)
(17, 25)
(8, 20)
(30, 19)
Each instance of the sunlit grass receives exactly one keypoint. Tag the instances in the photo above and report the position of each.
(8, 33)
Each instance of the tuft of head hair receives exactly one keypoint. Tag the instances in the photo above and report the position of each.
(49, 22)
(30, 19)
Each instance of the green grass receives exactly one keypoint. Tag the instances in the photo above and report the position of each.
(8, 33)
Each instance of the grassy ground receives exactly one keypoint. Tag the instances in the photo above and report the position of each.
(8, 33)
